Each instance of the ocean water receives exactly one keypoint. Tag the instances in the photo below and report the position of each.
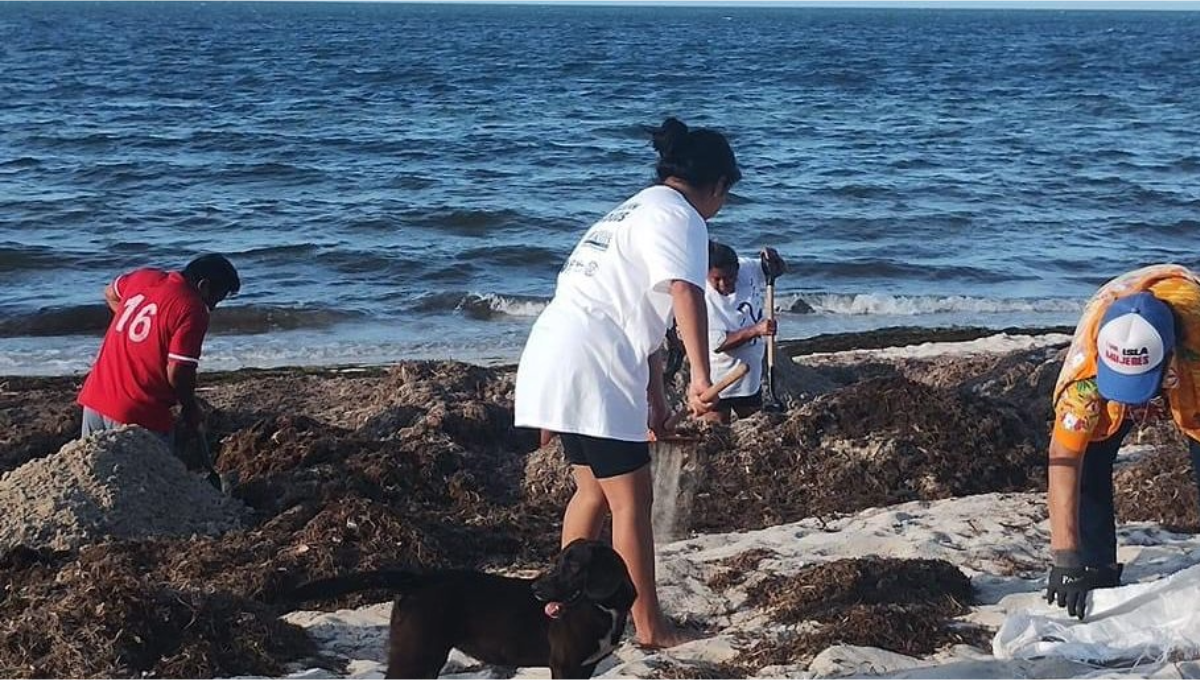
(404, 181)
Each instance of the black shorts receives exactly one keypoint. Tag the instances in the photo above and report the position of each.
(606, 457)
(753, 401)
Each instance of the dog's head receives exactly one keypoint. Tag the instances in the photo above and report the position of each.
(585, 571)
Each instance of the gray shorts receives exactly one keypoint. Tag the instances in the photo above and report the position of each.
(94, 422)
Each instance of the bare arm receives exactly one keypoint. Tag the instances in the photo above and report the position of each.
(692, 319)
(1062, 498)
(182, 377)
(111, 297)
(741, 336)
(691, 316)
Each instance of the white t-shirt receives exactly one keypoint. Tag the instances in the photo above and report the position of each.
(585, 367)
(728, 313)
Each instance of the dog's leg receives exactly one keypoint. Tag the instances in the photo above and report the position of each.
(571, 670)
(418, 646)
(415, 657)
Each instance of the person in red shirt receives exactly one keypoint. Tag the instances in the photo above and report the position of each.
(151, 350)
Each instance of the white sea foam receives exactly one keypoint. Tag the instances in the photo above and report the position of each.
(882, 304)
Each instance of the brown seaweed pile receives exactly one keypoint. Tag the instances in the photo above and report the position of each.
(427, 474)
(875, 443)
(906, 606)
(103, 614)
(37, 416)
(1160, 488)
(419, 466)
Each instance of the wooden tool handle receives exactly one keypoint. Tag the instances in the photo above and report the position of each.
(770, 310)
(711, 394)
(739, 371)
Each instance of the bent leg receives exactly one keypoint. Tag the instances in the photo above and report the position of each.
(94, 422)
(1097, 516)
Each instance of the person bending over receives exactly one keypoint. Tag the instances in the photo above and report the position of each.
(148, 359)
(1135, 357)
(590, 370)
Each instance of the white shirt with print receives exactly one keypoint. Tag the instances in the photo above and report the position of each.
(728, 313)
(585, 367)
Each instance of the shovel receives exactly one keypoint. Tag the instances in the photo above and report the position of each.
(213, 476)
(223, 483)
(711, 394)
(678, 467)
(771, 402)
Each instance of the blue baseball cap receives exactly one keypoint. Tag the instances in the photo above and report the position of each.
(1136, 335)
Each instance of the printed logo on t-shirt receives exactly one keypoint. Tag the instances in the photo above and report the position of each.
(619, 213)
(575, 265)
(746, 309)
(597, 238)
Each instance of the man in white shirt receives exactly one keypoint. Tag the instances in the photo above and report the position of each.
(737, 325)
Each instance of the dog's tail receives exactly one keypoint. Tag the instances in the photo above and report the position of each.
(326, 588)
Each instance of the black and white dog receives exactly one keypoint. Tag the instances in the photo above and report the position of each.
(569, 618)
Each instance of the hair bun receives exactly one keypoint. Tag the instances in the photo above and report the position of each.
(667, 137)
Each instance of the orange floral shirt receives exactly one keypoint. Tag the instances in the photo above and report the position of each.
(1081, 415)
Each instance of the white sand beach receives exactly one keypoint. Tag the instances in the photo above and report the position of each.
(999, 540)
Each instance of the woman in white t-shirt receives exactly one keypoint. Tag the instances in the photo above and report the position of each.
(590, 370)
(737, 323)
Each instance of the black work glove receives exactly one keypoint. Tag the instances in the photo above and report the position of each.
(773, 266)
(1069, 586)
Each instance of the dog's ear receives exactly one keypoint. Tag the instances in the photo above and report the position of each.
(606, 573)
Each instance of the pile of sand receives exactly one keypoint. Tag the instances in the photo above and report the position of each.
(120, 484)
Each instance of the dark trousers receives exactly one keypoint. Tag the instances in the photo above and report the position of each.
(1097, 516)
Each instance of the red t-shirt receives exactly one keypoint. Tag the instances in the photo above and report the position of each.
(161, 319)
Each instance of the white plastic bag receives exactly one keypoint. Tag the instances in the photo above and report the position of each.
(1141, 622)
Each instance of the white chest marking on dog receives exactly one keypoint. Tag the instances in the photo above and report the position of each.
(606, 644)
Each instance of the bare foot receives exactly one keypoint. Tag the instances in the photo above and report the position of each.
(667, 634)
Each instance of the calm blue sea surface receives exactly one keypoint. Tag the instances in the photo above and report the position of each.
(405, 180)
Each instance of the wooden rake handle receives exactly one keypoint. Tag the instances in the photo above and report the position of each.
(770, 310)
(711, 394)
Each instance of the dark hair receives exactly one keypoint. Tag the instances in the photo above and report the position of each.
(721, 256)
(218, 270)
(700, 157)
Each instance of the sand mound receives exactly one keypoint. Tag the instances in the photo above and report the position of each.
(121, 484)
